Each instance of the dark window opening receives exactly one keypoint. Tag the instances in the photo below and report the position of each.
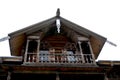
(81, 77)
(85, 48)
(44, 45)
(70, 47)
(30, 76)
(86, 51)
(32, 47)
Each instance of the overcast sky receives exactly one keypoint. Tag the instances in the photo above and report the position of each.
(99, 16)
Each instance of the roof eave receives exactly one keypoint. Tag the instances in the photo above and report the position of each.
(35, 26)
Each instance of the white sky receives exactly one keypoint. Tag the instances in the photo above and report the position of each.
(99, 16)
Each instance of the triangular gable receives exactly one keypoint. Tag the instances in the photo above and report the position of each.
(19, 37)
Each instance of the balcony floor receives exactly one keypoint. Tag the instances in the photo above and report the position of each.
(60, 64)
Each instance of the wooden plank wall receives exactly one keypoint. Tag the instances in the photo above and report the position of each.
(16, 44)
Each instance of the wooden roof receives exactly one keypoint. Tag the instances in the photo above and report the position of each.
(17, 38)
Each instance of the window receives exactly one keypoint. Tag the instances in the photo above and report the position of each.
(32, 47)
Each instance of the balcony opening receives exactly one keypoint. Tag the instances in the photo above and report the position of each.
(85, 48)
(32, 51)
(86, 52)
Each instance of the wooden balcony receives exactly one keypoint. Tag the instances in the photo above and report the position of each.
(45, 57)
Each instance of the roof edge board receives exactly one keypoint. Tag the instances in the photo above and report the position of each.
(33, 26)
(84, 30)
(66, 23)
(44, 25)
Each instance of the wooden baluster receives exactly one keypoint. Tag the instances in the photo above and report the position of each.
(28, 58)
(64, 52)
(52, 55)
(34, 58)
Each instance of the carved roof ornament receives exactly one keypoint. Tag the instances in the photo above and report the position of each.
(58, 12)
(58, 20)
(58, 25)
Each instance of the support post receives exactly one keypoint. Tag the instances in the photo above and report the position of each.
(57, 76)
(79, 43)
(91, 52)
(25, 56)
(9, 75)
(106, 78)
(38, 47)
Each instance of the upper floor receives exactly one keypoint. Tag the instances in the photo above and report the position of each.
(56, 41)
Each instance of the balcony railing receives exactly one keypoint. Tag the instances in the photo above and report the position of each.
(69, 58)
(65, 58)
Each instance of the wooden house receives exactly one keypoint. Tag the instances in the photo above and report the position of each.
(55, 49)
